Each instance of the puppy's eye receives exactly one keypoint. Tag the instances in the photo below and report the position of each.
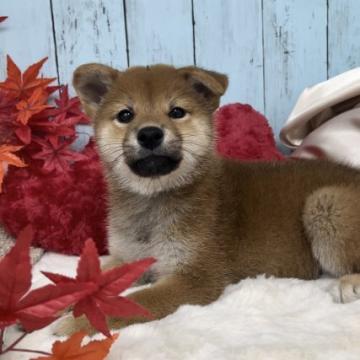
(125, 116)
(177, 113)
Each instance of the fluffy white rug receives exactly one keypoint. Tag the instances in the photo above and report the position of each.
(255, 319)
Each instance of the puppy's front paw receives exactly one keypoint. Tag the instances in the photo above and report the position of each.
(70, 325)
(349, 288)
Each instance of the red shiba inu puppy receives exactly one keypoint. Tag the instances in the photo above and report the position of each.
(208, 221)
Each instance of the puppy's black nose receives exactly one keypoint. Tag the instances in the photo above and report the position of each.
(150, 137)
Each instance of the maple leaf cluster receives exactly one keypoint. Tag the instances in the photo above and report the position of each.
(93, 293)
(37, 126)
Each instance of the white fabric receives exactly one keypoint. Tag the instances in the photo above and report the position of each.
(337, 139)
(255, 319)
(316, 100)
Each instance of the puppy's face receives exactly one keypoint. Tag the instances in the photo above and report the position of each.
(153, 125)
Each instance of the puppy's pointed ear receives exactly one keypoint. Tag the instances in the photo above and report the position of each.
(91, 83)
(210, 84)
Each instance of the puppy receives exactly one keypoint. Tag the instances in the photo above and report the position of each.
(208, 221)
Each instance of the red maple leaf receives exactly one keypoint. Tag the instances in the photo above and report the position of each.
(68, 107)
(3, 18)
(23, 132)
(7, 157)
(31, 106)
(7, 103)
(11, 130)
(72, 349)
(7, 135)
(59, 126)
(56, 154)
(22, 85)
(40, 306)
(109, 284)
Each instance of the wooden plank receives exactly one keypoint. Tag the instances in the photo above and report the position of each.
(295, 54)
(344, 33)
(228, 38)
(27, 35)
(89, 31)
(160, 32)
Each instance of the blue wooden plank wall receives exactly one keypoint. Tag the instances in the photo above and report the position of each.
(271, 49)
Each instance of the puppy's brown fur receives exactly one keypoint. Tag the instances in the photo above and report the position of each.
(210, 222)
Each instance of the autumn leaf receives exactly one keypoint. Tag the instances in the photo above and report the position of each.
(56, 154)
(72, 349)
(23, 85)
(7, 157)
(39, 307)
(109, 284)
(63, 117)
(59, 126)
(16, 264)
(7, 135)
(11, 130)
(31, 106)
(68, 107)
(23, 132)
(7, 103)
(3, 18)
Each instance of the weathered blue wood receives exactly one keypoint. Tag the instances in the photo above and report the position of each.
(344, 36)
(160, 32)
(89, 31)
(27, 34)
(228, 38)
(294, 53)
(271, 49)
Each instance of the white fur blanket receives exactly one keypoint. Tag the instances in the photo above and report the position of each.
(255, 319)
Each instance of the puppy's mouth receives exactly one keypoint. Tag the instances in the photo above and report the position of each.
(154, 165)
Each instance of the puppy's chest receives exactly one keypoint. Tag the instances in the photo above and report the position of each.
(151, 231)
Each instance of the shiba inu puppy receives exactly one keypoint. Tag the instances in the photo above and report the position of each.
(208, 221)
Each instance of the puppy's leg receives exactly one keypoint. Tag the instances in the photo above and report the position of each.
(161, 299)
(332, 222)
(349, 288)
(166, 295)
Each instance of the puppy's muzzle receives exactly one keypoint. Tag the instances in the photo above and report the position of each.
(154, 158)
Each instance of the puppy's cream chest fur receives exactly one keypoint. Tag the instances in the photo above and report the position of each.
(141, 229)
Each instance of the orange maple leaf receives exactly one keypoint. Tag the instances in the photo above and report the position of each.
(23, 85)
(29, 107)
(72, 349)
(8, 158)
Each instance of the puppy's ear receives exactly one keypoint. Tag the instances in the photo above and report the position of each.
(210, 84)
(92, 82)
